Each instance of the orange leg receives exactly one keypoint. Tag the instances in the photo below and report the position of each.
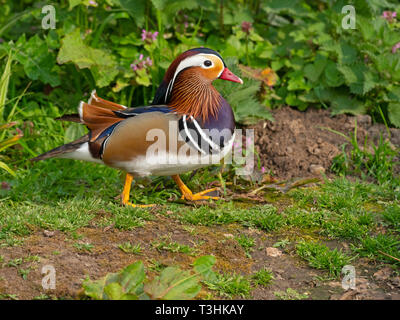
(126, 192)
(188, 195)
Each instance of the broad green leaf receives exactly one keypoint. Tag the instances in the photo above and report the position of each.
(127, 284)
(203, 265)
(135, 9)
(347, 53)
(101, 64)
(132, 276)
(114, 291)
(345, 104)
(333, 77)
(39, 63)
(314, 71)
(94, 289)
(359, 78)
(174, 284)
(394, 113)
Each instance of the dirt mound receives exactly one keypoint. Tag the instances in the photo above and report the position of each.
(301, 144)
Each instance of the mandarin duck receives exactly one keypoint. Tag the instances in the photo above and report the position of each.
(187, 114)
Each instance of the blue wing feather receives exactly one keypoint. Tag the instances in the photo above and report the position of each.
(132, 112)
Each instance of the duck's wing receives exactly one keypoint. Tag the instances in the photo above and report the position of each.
(101, 118)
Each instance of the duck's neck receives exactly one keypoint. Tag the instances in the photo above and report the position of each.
(193, 96)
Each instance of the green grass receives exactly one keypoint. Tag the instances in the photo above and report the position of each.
(247, 243)
(391, 214)
(290, 294)
(319, 256)
(379, 247)
(263, 217)
(263, 277)
(376, 161)
(83, 246)
(230, 285)
(128, 247)
(168, 245)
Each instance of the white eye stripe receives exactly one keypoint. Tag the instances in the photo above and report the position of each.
(192, 61)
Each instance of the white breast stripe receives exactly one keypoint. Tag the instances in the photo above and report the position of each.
(204, 136)
(190, 136)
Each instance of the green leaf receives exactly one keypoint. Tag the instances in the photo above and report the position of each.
(101, 64)
(132, 276)
(94, 289)
(347, 53)
(314, 71)
(394, 113)
(114, 291)
(73, 132)
(127, 284)
(359, 78)
(135, 9)
(203, 265)
(7, 168)
(39, 63)
(174, 284)
(333, 77)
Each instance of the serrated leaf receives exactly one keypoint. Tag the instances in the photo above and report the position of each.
(333, 77)
(347, 54)
(314, 71)
(343, 104)
(358, 77)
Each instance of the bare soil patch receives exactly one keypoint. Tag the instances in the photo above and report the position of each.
(298, 144)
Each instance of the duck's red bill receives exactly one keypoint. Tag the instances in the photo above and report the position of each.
(230, 76)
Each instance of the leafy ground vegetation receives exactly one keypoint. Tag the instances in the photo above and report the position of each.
(269, 237)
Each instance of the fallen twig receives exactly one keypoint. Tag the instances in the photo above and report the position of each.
(388, 255)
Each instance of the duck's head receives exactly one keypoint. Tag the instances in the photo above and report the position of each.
(187, 84)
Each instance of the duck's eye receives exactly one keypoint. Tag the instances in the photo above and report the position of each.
(207, 63)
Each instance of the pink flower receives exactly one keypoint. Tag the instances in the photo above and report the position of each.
(262, 169)
(141, 63)
(246, 26)
(149, 36)
(389, 15)
(395, 47)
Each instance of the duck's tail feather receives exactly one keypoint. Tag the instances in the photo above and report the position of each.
(64, 149)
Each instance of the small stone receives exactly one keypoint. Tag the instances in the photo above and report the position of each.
(273, 252)
(228, 235)
(289, 149)
(48, 233)
(364, 119)
(317, 169)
